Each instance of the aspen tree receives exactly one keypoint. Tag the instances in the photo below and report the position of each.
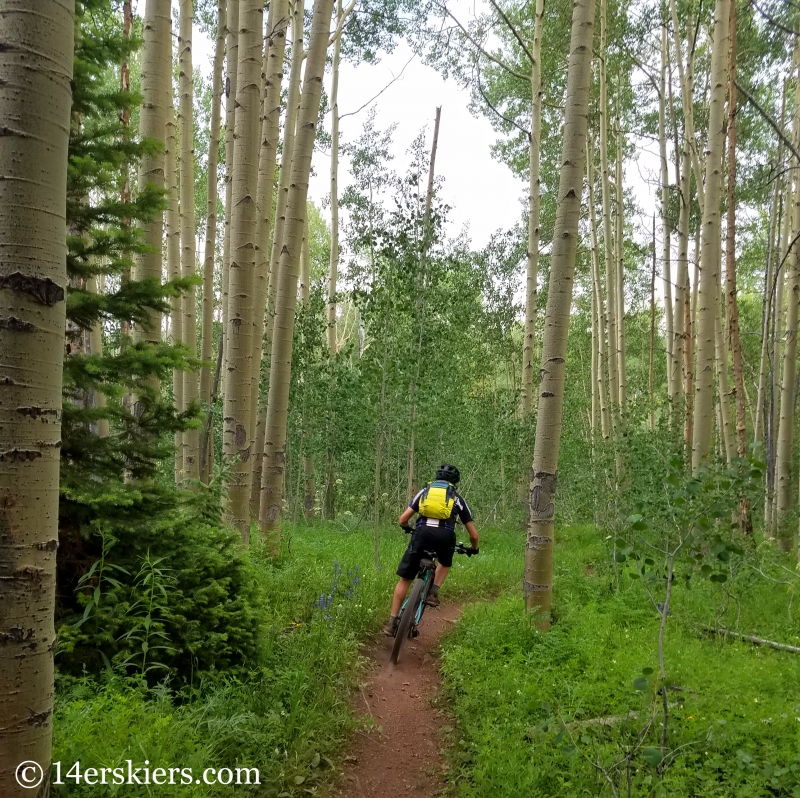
(173, 235)
(599, 303)
(673, 369)
(773, 253)
(36, 57)
(287, 150)
(608, 250)
(96, 285)
(232, 69)
(650, 369)
(333, 270)
(309, 489)
(619, 271)
(206, 344)
(155, 90)
(286, 298)
(708, 296)
(236, 443)
(723, 384)
(785, 487)
(537, 582)
(730, 261)
(191, 460)
(277, 23)
(534, 204)
(125, 118)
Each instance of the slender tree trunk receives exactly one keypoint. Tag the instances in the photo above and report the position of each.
(730, 251)
(608, 249)
(652, 331)
(619, 271)
(773, 253)
(673, 368)
(36, 55)
(309, 489)
(537, 582)
(236, 438)
(534, 201)
(287, 150)
(334, 261)
(191, 460)
(688, 368)
(785, 487)
(711, 237)
(173, 231)
(281, 360)
(232, 69)
(277, 24)
(97, 399)
(595, 411)
(723, 383)
(207, 340)
(426, 242)
(602, 354)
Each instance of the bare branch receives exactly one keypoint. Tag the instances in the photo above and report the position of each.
(479, 47)
(772, 123)
(514, 31)
(369, 102)
(489, 103)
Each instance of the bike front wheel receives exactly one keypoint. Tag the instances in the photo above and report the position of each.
(407, 619)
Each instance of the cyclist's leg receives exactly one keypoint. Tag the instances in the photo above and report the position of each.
(400, 590)
(440, 575)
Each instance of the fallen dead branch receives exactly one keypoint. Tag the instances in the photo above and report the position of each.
(758, 641)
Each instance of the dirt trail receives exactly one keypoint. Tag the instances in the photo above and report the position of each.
(399, 756)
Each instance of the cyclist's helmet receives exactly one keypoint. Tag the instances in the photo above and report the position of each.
(449, 473)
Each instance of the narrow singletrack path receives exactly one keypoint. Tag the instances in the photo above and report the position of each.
(400, 755)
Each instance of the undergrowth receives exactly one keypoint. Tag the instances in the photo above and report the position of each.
(529, 705)
(289, 714)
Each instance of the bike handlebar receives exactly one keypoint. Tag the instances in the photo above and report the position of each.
(461, 548)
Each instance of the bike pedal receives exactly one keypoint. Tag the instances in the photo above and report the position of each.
(415, 633)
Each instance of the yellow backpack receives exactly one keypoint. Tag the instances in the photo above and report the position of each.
(437, 500)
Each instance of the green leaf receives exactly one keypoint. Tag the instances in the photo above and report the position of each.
(620, 557)
(647, 671)
(640, 683)
(653, 756)
(719, 577)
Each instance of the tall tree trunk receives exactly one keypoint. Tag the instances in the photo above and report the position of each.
(426, 242)
(773, 254)
(534, 202)
(97, 399)
(191, 460)
(287, 150)
(236, 439)
(652, 332)
(155, 90)
(537, 582)
(277, 23)
(309, 489)
(36, 55)
(785, 487)
(673, 367)
(711, 240)
(173, 232)
(619, 272)
(730, 251)
(281, 360)
(207, 340)
(597, 287)
(231, 78)
(334, 261)
(688, 366)
(608, 249)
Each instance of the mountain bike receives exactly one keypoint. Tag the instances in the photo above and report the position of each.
(414, 606)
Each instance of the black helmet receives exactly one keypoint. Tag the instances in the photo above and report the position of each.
(449, 473)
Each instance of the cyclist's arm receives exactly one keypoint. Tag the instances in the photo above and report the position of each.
(473, 534)
(405, 516)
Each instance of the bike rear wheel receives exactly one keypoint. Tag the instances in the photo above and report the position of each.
(407, 619)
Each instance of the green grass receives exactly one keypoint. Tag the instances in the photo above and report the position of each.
(735, 707)
(289, 716)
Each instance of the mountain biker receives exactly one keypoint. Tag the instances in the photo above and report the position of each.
(431, 534)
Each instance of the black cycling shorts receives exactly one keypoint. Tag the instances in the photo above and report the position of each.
(439, 540)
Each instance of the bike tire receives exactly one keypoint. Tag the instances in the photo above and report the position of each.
(406, 620)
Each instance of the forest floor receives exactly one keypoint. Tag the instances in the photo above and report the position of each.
(401, 707)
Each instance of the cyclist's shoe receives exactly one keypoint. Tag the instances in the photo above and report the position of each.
(390, 629)
(433, 597)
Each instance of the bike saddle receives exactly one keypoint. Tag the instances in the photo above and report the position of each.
(426, 562)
